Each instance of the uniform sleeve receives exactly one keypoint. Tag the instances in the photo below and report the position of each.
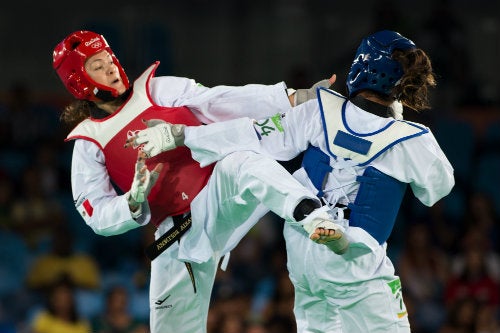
(436, 178)
(285, 135)
(106, 212)
(281, 136)
(221, 103)
(421, 163)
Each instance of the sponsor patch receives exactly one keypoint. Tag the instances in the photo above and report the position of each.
(270, 125)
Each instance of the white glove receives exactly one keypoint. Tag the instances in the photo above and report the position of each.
(320, 218)
(143, 182)
(159, 137)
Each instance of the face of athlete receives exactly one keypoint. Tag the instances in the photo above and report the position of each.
(101, 68)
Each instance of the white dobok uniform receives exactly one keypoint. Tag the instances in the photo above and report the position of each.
(240, 190)
(357, 291)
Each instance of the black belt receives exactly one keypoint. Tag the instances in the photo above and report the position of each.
(182, 223)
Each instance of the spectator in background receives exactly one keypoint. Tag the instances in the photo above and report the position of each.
(60, 314)
(461, 317)
(474, 281)
(52, 172)
(22, 133)
(117, 317)
(14, 260)
(34, 215)
(487, 319)
(475, 239)
(279, 316)
(481, 211)
(424, 270)
(80, 269)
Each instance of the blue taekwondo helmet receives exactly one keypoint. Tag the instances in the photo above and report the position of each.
(373, 67)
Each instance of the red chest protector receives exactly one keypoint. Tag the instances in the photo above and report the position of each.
(182, 178)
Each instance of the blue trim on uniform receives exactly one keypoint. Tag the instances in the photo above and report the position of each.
(346, 125)
(352, 143)
(423, 130)
(322, 114)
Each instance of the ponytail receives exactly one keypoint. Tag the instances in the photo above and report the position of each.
(76, 112)
(412, 88)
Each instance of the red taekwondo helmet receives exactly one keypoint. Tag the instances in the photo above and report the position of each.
(69, 62)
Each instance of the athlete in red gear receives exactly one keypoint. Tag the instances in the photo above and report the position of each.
(235, 193)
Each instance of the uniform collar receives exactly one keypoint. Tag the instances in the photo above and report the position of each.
(372, 107)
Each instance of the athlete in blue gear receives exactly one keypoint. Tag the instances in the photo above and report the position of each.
(360, 156)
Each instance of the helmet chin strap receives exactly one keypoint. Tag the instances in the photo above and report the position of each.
(107, 96)
(104, 95)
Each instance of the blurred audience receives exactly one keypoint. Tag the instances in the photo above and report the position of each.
(60, 313)
(80, 269)
(27, 121)
(487, 320)
(473, 281)
(481, 214)
(461, 317)
(424, 269)
(117, 317)
(33, 214)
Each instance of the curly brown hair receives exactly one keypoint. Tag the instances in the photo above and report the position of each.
(79, 110)
(413, 87)
(76, 112)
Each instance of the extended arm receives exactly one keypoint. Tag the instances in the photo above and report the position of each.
(282, 136)
(221, 103)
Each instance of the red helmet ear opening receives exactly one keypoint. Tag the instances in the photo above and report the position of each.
(76, 87)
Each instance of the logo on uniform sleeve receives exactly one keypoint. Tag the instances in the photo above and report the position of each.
(270, 125)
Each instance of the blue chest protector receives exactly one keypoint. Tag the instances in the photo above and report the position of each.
(377, 204)
(317, 166)
(378, 200)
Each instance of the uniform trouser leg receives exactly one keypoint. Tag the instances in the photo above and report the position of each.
(174, 304)
(354, 292)
(371, 307)
(252, 179)
(243, 187)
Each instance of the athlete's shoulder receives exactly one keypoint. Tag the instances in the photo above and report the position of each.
(166, 90)
(330, 92)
